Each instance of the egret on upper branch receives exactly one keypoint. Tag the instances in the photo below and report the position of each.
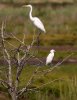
(50, 57)
(36, 21)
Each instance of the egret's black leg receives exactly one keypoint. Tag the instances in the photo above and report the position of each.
(38, 40)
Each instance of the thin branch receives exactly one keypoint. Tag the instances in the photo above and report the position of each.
(18, 58)
(26, 89)
(4, 82)
(48, 83)
(10, 44)
(39, 60)
(23, 41)
(59, 63)
(31, 78)
(17, 39)
(33, 41)
(23, 57)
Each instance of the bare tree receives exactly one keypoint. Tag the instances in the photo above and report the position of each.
(20, 61)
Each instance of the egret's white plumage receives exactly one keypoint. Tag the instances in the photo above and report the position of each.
(36, 21)
(50, 57)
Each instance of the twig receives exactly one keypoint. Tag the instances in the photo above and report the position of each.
(33, 41)
(26, 89)
(39, 60)
(5, 82)
(30, 80)
(17, 39)
(18, 58)
(23, 41)
(48, 83)
(10, 44)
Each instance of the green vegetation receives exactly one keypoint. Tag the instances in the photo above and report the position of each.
(60, 23)
(49, 39)
(61, 26)
(63, 89)
(58, 20)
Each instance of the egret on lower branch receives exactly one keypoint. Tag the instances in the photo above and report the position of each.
(50, 57)
(35, 20)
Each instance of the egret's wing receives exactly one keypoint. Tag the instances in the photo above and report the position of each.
(39, 24)
(49, 58)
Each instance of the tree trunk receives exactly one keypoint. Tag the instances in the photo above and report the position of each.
(13, 95)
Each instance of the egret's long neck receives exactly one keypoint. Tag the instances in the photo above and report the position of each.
(30, 14)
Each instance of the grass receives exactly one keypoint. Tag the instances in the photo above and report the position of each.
(55, 90)
(56, 20)
(62, 90)
(58, 89)
(59, 54)
(61, 26)
(49, 39)
(64, 71)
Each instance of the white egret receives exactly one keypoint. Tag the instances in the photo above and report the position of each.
(50, 57)
(36, 21)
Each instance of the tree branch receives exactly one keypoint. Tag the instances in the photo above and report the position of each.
(5, 53)
(4, 82)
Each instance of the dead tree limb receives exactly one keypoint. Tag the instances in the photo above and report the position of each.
(6, 56)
